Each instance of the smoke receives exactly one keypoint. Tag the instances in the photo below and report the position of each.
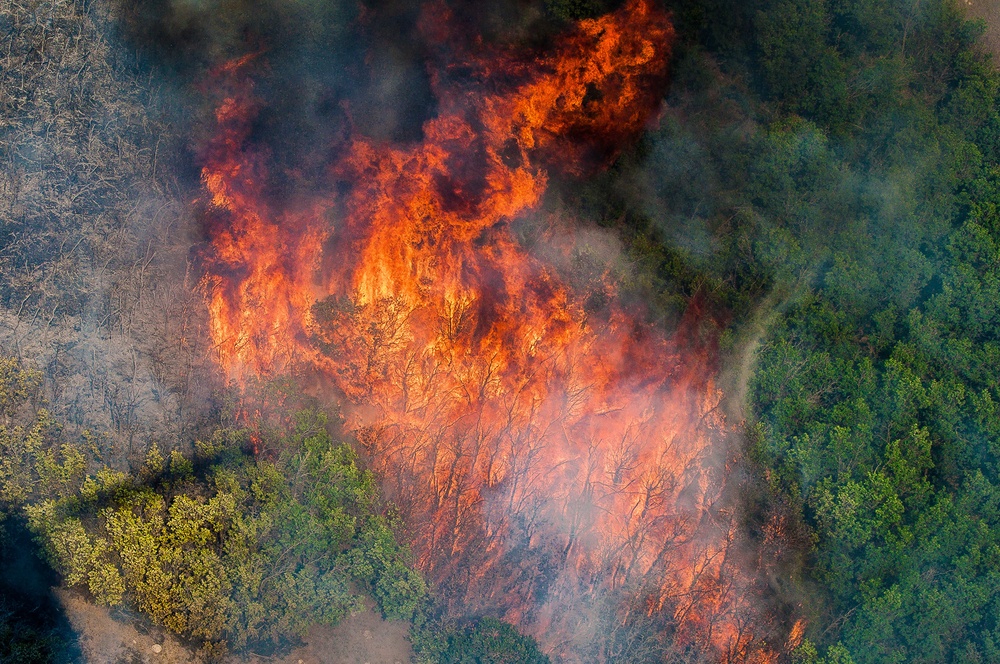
(307, 131)
(579, 492)
(331, 66)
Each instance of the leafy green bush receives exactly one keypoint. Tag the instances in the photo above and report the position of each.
(482, 641)
(223, 547)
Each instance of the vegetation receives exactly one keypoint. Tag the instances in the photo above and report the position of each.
(824, 176)
(484, 641)
(828, 171)
(31, 631)
(224, 548)
(244, 544)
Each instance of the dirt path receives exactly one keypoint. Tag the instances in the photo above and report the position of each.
(363, 638)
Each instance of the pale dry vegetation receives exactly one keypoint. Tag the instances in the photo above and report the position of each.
(94, 236)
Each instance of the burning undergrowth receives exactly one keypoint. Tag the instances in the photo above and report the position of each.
(557, 459)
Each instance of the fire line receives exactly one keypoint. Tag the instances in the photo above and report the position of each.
(545, 453)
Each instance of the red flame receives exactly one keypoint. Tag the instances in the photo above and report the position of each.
(513, 426)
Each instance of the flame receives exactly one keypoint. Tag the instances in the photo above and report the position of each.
(542, 452)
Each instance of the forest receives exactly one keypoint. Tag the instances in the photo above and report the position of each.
(812, 207)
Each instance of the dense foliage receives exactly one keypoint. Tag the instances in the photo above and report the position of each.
(246, 543)
(825, 177)
(225, 547)
(483, 641)
(32, 630)
(827, 173)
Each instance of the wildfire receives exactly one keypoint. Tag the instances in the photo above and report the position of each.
(545, 453)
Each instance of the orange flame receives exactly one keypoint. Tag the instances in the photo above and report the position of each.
(515, 427)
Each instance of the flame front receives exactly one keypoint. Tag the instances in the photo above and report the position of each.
(545, 454)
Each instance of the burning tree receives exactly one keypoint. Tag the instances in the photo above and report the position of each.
(547, 454)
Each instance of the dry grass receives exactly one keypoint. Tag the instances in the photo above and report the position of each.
(94, 234)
